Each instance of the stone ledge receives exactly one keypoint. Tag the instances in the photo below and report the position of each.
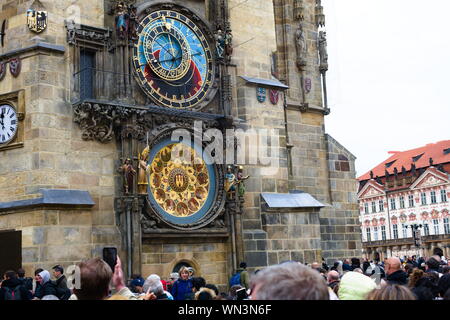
(52, 198)
(35, 47)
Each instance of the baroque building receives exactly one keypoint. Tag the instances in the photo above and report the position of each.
(114, 116)
(404, 203)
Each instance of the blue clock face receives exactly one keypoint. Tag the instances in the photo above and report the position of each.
(173, 60)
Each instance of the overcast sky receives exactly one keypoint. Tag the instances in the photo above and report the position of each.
(389, 75)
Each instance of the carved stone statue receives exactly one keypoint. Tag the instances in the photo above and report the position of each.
(228, 43)
(240, 180)
(230, 182)
(128, 176)
(300, 45)
(143, 171)
(323, 54)
(133, 23)
(122, 20)
(220, 44)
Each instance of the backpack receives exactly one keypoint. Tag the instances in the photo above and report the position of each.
(235, 279)
(13, 294)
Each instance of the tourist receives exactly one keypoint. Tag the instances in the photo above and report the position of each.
(13, 288)
(153, 285)
(241, 276)
(205, 294)
(288, 281)
(46, 286)
(333, 279)
(432, 265)
(391, 292)
(346, 266)
(394, 273)
(183, 286)
(232, 294)
(197, 284)
(355, 286)
(443, 284)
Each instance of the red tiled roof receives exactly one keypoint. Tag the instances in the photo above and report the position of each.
(405, 158)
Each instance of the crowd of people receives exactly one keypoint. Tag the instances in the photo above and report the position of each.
(409, 278)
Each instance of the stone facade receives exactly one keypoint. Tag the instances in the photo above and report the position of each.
(57, 154)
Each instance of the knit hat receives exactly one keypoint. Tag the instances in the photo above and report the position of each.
(45, 275)
(355, 286)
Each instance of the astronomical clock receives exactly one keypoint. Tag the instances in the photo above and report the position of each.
(174, 64)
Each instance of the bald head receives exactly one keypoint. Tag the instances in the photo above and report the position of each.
(392, 265)
(332, 276)
(315, 265)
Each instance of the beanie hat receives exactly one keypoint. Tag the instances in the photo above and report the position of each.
(355, 286)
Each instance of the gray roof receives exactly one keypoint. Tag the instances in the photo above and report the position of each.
(266, 82)
(291, 200)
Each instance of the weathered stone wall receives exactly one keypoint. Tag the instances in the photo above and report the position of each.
(54, 156)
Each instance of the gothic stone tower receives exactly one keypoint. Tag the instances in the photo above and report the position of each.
(99, 88)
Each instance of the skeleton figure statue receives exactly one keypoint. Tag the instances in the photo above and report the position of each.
(323, 54)
(300, 45)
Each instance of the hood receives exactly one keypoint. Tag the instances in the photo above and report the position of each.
(355, 286)
(399, 276)
(45, 275)
(11, 283)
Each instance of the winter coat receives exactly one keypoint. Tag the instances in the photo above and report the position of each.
(181, 288)
(48, 288)
(12, 284)
(398, 277)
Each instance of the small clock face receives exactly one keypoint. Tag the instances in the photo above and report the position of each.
(173, 60)
(8, 123)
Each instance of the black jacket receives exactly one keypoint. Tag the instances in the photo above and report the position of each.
(398, 277)
(12, 284)
(61, 282)
(49, 288)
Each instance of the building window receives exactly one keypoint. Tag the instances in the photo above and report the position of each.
(383, 232)
(374, 207)
(436, 226)
(402, 202)
(446, 226)
(404, 231)
(395, 231)
(393, 204)
(375, 233)
(381, 205)
(443, 195)
(411, 200)
(368, 234)
(426, 229)
(423, 197)
(87, 74)
(433, 197)
(366, 208)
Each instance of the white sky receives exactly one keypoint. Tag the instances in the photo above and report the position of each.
(388, 79)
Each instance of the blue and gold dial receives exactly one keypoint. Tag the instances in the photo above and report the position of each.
(173, 60)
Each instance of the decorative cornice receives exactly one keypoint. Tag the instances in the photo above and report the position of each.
(40, 46)
(83, 33)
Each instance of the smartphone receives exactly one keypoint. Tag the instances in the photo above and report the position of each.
(241, 294)
(110, 257)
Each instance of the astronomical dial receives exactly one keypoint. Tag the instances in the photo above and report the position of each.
(173, 60)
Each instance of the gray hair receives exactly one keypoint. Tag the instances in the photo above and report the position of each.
(289, 281)
(50, 297)
(154, 284)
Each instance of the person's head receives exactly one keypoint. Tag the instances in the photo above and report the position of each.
(355, 286)
(191, 272)
(50, 297)
(36, 273)
(356, 262)
(58, 271)
(137, 284)
(315, 266)
(392, 265)
(414, 277)
(409, 268)
(289, 281)
(205, 294)
(438, 252)
(423, 293)
(213, 288)
(21, 273)
(346, 261)
(243, 265)
(174, 276)
(445, 269)
(198, 283)
(332, 276)
(391, 292)
(432, 264)
(10, 275)
(153, 284)
(44, 277)
(95, 276)
(183, 273)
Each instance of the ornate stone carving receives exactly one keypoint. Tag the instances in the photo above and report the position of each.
(299, 9)
(320, 16)
(323, 54)
(79, 33)
(300, 46)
